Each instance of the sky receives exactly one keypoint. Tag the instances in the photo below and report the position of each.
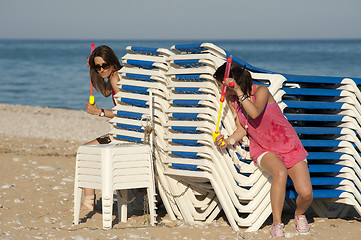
(180, 19)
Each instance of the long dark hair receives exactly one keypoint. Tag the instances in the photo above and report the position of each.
(108, 56)
(240, 74)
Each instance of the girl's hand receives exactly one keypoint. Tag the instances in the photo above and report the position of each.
(221, 142)
(87, 62)
(92, 108)
(232, 85)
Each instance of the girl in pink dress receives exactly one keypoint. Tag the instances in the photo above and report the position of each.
(274, 144)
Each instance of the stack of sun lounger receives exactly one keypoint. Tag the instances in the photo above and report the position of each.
(192, 115)
(143, 74)
(325, 112)
(239, 187)
(196, 180)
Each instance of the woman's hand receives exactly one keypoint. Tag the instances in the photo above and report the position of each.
(92, 108)
(221, 142)
(232, 85)
(87, 62)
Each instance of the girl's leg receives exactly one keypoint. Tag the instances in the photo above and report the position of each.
(93, 142)
(272, 163)
(301, 180)
(89, 194)
(88, 203)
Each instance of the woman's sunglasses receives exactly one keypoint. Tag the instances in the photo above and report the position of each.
(105, 66)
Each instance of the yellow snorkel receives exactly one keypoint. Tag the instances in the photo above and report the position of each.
(223, 94)
(91, 97)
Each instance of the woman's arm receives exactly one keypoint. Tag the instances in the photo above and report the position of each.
(108, 89)
(262, 97)
(95, 110)
(114, 79)
(237, 135)
(111, 84)
(108, 113)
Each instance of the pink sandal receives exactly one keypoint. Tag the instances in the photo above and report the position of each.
(302, 224)
(277, 230)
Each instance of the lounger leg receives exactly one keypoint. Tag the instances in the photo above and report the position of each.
(151, 203)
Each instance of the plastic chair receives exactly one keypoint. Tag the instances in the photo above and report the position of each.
(112, 168)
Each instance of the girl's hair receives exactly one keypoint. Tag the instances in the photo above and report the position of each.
(108, 56)
(240, 74)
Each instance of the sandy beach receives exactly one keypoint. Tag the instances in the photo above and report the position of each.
(37, 153)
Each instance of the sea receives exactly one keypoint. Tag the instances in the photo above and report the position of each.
(53, 73)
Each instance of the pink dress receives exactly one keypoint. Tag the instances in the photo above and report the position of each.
(271, 132)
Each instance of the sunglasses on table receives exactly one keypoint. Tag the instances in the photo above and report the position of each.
(105, 66)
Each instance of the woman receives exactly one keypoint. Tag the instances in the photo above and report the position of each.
(103, 64)
(274, 144)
